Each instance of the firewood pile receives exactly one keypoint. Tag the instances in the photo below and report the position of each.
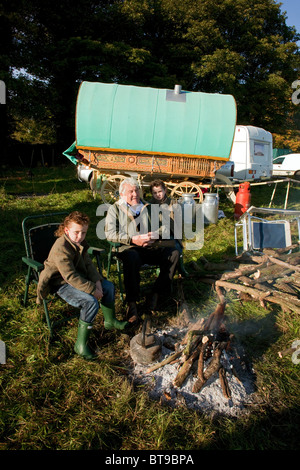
(272, 276)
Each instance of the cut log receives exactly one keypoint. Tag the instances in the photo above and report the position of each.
(292, 279)
(291, 298)
(198, 327)
(209, 266)
(215, 319)
(284, 264)
(185, 369)
(211, 324)
(224, 383)
(205, 341)
(278, 251)
(220, 295)
(212, 367)
(286, 304)
(275, 276)
(184, 314)
(169, 359)
(242, 271)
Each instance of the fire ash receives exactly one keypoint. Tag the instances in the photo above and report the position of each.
(201, 368)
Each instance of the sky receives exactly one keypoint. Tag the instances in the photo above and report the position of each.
(292, 8)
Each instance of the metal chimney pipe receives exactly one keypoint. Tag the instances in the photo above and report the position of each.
(177, 89)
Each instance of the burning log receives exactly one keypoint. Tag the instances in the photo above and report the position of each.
(185, 369)
(205, 340)
(197, 344)
(169, 359)
(224, 383)
(204, 354)
(192, 340)
(213, 367)
(198, 326)
(205, 346)
(183, 310)
(214, 321)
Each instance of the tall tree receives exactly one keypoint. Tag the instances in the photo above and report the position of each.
(54, 47)
(241, 47)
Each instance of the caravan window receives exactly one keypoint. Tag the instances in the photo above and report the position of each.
(260, 152)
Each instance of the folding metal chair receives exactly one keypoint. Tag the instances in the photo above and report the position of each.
(260, 233)
(112, 257)
(39, 236)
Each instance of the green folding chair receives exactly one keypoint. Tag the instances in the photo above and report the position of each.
(112, 257)
(39, 236)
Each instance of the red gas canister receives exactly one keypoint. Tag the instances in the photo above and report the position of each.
(243, 199)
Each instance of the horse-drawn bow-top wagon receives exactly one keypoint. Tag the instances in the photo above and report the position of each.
(178, 136)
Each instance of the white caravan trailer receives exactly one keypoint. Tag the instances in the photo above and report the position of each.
(252, 153)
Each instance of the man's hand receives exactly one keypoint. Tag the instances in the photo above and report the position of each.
(144, 240)
(98, 292)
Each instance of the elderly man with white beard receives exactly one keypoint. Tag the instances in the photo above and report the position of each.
(128, 223)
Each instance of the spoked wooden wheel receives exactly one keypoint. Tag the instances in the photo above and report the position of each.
(187, 187)
(109, 190)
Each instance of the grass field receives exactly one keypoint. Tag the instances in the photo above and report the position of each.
(52, 399)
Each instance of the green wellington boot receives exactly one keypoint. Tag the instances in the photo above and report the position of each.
(81, 347)
(110, 321)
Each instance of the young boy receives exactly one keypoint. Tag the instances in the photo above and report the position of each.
(159, 196)
(70, 272)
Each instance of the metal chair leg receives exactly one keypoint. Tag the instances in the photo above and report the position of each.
(108, 265)
(27, 284)
(120, 279)
(181, 268)
(109, 261)
(49, 324)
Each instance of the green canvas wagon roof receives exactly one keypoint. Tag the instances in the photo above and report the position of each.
(149, 120)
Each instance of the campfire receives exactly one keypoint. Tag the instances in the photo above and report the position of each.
(202, 365)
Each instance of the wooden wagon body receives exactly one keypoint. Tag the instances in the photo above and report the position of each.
(150, 133)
